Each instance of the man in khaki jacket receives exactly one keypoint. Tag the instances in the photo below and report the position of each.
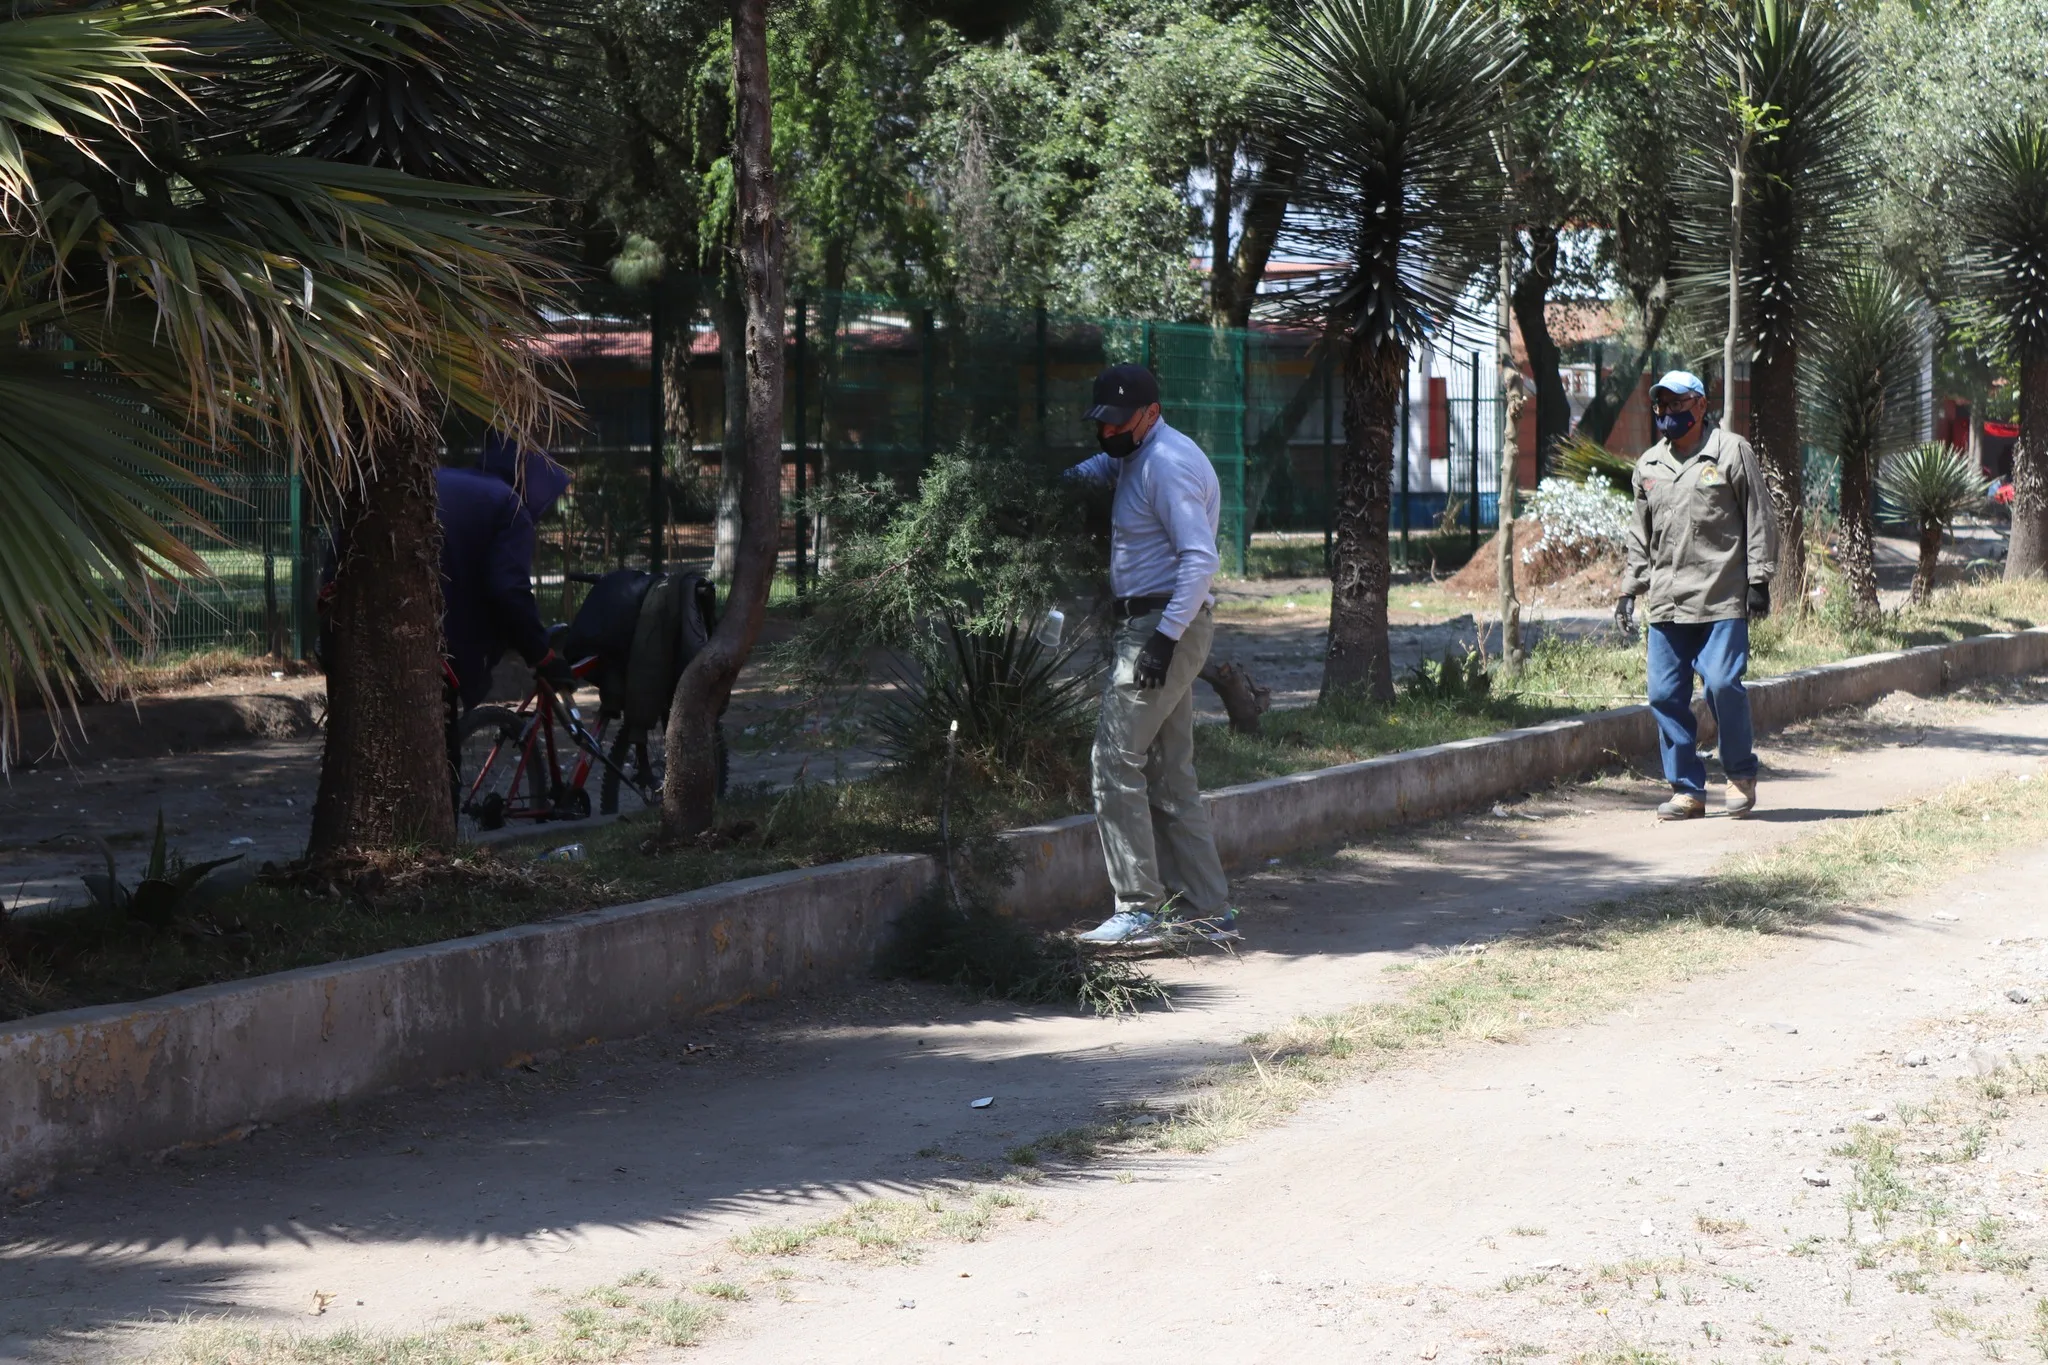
(1702, 548)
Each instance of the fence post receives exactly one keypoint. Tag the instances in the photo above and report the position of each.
(925, 339)
(657, 428)
(1472, 512)
(1329, 439)
(802, 521)
(1407, 387)
(299, 575)
(1244, 445)
(1044, 379)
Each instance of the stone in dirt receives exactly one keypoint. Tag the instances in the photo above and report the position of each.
(1916, 1059)
(2018, 996)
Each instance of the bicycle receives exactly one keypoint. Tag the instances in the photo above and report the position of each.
(519, 775)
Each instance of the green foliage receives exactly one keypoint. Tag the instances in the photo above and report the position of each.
(1067, 155)
(166, 882)
(1023, 710)
(1863, 382)
(1582, 459)
(1457, 678)
(1807, 171)
(2002, 203)
(1929, 484)
(985, 542)
(227, 248)
(1396, 104)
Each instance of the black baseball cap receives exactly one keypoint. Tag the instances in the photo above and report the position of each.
(1120, 392)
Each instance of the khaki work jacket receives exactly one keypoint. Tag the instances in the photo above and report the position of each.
(1703, 531)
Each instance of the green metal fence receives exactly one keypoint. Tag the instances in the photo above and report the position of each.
(256, 599)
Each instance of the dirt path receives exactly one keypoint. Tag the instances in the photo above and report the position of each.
(1383, 1220)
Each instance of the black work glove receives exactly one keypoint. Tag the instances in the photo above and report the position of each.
(554, 670)
(1625, 616)
(1759, 601)
(1153, 661)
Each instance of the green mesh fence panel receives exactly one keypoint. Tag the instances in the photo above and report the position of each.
(256, 599)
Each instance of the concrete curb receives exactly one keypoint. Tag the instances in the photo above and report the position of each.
(154, 727)
(85, 1085)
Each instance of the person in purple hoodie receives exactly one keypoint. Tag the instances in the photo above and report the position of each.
(488, 518)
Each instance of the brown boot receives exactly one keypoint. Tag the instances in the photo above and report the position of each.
(1682, 806)
(1741, 798)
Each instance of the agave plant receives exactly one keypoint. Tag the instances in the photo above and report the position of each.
(1397, 104)
(1929, 485)
(1021, 706)
(166, 882)
(1861, 388)
(2002, 205)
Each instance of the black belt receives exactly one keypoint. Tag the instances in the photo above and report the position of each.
(1127, 607)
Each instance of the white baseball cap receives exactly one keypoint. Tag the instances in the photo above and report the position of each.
(1680, 381)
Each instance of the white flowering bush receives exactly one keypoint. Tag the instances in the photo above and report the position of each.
(1582, 522)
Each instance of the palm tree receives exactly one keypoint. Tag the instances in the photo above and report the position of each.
(1397, 104)
(1862, 383)
(170, 237)
(1794, 141)
(1929, 485)
(2002, 204)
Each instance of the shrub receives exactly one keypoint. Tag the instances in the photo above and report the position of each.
(1582, 522)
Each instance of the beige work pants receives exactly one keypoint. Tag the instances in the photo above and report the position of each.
(1148, 805)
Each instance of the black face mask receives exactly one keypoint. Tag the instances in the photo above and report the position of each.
(1672, 425)
(1121, 445)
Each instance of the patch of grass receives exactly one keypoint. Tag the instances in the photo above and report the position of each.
(1514, 1284)
(616, 1326)
(889, 1229)
(1719, 1227)
(1528, 1232)
(721, 1289)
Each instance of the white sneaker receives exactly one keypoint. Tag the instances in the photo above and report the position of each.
(1130, 928)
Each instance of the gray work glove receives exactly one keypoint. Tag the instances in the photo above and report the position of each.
(1759, 601)
(1154, 659)
(1625, 616)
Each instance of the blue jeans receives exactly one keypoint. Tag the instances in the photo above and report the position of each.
(1719, 650)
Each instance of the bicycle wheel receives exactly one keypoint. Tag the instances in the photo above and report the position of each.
(506, 789)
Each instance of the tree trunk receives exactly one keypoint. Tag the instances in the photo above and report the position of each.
(1531, 292)
(690, 792)
(1265, 211)
(2028, 553)
(1359, 659)
(732, 458)
(1774, 427)
(1512, 400)
(678, 404)
(1857, 548)
(1732, 340)
(1930, 560)
(384, 780)
(1223, 291)
(1612, 395)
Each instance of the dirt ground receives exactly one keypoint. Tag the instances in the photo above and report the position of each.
(1634, 1189)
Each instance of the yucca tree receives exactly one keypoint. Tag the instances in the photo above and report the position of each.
(1929, 485)
(1397, 104)
(1792, 77)
(1862, 383)
(170, 235)
(2002, 207)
